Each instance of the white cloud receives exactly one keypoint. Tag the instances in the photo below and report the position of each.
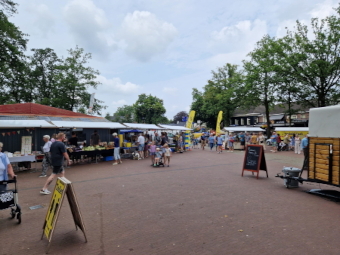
(170, 90)
(239, 37)
(145, 35)
(116, 87)
(89, 26)
(43, 18)
(119, 102)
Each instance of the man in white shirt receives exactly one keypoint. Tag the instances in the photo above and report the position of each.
(141, 143)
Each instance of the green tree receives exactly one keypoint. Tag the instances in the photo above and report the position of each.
(220, 94)
(262, 78)
(12, 47)
(124, 114)
(312, 58)
(44, 80)
(149, 109)
(179, 116)
(75, 79)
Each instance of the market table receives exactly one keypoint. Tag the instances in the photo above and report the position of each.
(16, 160)
(90, 154)
(28, 158)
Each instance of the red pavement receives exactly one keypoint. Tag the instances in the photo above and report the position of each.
(199, 205)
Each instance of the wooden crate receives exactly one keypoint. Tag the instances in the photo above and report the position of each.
(319, 152)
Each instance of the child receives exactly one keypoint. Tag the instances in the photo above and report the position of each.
(158, 155)
(152, 151)
(146, 150)
(167, 154)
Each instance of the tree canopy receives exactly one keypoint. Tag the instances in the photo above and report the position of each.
(149, 109)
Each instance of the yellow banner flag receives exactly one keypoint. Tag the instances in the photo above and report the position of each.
(190, 119)
(218, 124)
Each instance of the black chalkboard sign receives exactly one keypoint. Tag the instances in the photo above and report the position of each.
(254, 159)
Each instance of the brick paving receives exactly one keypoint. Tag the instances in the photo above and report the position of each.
(199, 205)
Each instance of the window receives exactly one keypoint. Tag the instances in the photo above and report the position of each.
(294, 117)
(242, 122)
(303, 116)
(248, 122)
(236, 121)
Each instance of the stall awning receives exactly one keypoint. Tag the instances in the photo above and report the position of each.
(169, 127)
(130, 131)
(276, 117)
(243, 129)
(25, 124)
(141, 126)
(292, 129)
(88, 124)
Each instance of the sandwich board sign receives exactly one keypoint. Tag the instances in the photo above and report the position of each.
(254, 160)
(63, 187)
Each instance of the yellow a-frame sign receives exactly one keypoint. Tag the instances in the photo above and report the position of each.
(62, 187)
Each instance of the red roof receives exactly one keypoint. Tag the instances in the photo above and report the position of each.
(38, 109)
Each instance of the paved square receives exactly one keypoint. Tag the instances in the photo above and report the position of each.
(198, 205)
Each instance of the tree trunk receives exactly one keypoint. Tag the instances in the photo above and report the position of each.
(289, 111)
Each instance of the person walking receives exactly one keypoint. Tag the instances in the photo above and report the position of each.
(219, 142)
(297, 144)
(274, 142)
(292, 142)
(242, 140)
(211, 141)
(46, 163)
(253, 138)
(304, 146)
(167, 154)
(278, 141)
(58, 154)
(6, 169)
(203, 141)
(116, 149)
(262, 141)
(141, 143)
(231, 143)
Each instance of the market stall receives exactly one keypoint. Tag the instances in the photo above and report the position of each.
(324, 144)
(128, 139)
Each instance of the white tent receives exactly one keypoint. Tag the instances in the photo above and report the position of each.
(169, 127)
(291, 129)
(324, 121)
(25, 124)
(88, 124)
(243, 129)
(141, 126)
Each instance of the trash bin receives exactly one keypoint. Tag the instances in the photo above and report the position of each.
(291, 172)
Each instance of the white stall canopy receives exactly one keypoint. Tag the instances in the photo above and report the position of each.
(288, 129)
(141, 126)
(244, 129)
(25, 124)
(169, 127)
(88, 124)
(324, 121)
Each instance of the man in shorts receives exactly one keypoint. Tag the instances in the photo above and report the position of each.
(58, 154)
(242, 140)
(203, 141)
(141, 143)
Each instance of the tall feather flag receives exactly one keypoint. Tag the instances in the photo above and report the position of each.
(218, 124)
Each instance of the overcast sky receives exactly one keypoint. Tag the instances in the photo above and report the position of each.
(159, 47)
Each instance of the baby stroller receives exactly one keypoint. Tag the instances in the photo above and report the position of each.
(9, 199)
(283, 147)
(160, 163)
